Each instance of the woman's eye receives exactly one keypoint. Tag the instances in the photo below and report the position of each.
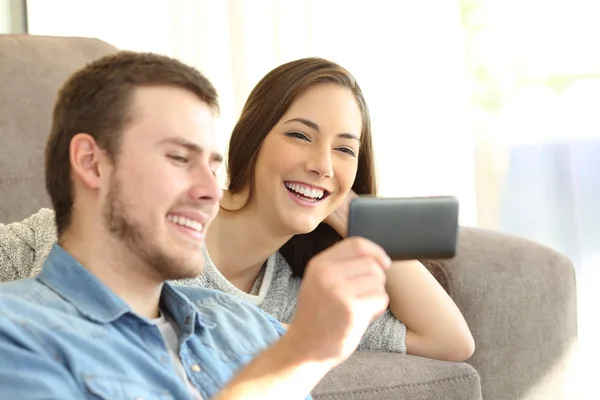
(179, 159)
(298, 135)
(347, 150)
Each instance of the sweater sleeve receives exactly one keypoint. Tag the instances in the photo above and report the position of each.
(386, 333)
(25, 245)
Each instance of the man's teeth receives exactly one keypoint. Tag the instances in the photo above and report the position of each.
(305, 190)
(183, 221)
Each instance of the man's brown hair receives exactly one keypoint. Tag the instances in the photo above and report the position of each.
(267, 103)
(97, 100)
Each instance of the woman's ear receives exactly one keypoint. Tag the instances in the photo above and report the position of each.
(85, 156)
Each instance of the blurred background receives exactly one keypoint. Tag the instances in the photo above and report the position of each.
(494, 101)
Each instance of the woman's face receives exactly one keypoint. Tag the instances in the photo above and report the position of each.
(308, 161)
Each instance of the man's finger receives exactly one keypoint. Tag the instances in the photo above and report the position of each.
(353, 248)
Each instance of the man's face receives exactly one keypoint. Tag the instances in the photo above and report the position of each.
(162, 192)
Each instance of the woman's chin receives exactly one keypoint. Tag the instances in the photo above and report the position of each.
(304, 227)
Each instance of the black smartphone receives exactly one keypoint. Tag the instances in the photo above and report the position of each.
(408, 227)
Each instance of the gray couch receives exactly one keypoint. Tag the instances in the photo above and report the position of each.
(518, 297)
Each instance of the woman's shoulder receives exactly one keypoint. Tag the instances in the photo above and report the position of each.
(24, 245)
(281, 262)
(283, 270)
(39, 227)
(283, 281)
(281, 297)
(44, 218)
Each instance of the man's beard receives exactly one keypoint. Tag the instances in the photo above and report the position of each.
(140, 240)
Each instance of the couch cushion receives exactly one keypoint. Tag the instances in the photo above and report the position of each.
(32, 69)
(385, 376)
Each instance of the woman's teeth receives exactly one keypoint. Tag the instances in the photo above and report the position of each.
(183, 221)
(308, 192)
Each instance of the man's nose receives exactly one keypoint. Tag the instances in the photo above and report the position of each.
(206, 187)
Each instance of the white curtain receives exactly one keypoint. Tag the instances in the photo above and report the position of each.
(536, 79)
(12, 16)
(408, 60)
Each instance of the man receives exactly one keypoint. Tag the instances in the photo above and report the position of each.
(130, 166)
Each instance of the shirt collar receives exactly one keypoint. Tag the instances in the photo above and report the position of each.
(67, 277)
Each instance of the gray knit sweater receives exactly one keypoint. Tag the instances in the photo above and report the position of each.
(25, 245)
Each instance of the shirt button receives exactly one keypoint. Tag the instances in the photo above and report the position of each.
(196, 368)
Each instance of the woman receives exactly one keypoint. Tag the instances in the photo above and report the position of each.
(299, 152)
(301, 149)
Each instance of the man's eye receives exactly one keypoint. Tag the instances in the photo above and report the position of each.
(177, 158)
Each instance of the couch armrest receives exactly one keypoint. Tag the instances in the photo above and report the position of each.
(370, 375)
(519, 300)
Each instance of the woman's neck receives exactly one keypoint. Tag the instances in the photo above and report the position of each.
(239, 242)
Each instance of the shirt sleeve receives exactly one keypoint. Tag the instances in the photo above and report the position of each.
(28, 372)
(7, 271)
(16, 252)
(386, 333)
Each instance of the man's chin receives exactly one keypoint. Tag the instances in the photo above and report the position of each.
(188, 268)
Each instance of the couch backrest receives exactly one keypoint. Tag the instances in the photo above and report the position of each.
(32, 69)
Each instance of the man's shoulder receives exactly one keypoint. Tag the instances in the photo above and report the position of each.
(19, 296)
(30, 311)
(21, 289)
(227, 311)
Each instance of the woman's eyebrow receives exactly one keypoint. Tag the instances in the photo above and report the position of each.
(315, 126)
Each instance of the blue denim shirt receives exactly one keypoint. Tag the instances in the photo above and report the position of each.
(65, 335)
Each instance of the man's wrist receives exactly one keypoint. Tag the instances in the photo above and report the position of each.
(295, 353)
(281, 370)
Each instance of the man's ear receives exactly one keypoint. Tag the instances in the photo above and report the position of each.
(85, 156)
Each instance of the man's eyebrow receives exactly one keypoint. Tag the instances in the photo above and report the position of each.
(313, 125)
(193, 147)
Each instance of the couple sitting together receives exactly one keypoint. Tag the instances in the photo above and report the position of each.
(148, 280)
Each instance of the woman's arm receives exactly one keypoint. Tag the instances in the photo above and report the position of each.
(435, 326)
